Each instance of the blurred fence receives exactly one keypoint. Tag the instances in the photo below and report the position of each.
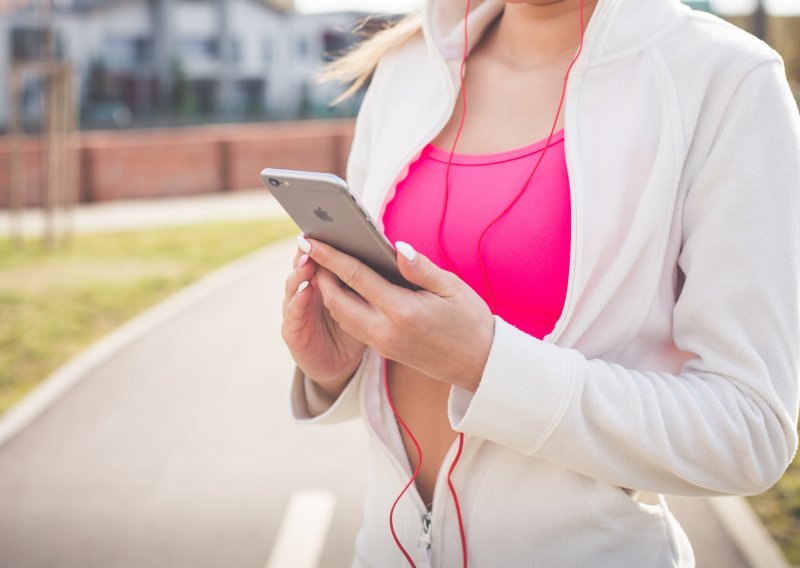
(184, 161)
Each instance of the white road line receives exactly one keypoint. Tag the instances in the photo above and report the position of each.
(302, 533)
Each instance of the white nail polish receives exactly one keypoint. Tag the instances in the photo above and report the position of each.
(303, 285)
(406, 250)
(304, 245)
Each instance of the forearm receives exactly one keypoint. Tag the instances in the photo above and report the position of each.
(696, 433)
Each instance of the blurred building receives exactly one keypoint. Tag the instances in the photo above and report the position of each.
(148, 62)
(192, 60)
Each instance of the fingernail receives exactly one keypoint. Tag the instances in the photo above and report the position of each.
(406, 250)
(303, 285)
(302, 260)
(304, 245)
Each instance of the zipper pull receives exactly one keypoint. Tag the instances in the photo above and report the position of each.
(424, 546)
(425, 537)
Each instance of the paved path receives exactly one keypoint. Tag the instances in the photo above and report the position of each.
(169, 455)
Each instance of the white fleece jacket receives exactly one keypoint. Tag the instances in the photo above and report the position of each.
(674, 365)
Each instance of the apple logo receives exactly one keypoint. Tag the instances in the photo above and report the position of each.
(322, 214)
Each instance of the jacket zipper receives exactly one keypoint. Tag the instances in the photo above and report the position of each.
(425, 538)
(424, 542)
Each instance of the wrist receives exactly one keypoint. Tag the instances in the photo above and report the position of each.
(333, 386)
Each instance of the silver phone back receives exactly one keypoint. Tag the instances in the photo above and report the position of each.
(323, 207)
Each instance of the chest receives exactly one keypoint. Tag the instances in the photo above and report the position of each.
(506, 108)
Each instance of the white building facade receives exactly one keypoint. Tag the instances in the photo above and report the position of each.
(234, 58)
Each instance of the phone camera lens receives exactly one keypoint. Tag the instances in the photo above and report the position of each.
(273, 182)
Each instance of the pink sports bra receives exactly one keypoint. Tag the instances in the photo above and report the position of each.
(526, 252)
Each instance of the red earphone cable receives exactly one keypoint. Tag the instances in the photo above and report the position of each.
(452, 149)
(416, 471)
(484, 273)
(539, 161)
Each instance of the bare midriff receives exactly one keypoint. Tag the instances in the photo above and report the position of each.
(422, 404)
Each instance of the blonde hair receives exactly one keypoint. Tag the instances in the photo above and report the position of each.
(359, 62)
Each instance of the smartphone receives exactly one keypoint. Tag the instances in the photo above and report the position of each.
(324, 208)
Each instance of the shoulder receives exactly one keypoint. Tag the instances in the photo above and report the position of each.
(734, 100)
(729, 37)
(705, 43)
(704, 61)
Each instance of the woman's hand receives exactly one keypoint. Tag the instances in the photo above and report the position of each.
(444, 330)
(319, 346)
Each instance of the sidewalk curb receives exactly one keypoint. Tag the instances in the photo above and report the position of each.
(35, 403)
(748, 532)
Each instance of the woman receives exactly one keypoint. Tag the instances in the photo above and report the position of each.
(622, 325)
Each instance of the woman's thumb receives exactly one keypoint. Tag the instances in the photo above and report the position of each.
(420, 270)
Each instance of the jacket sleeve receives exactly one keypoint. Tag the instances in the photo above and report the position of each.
(727, 423)
(308, 403)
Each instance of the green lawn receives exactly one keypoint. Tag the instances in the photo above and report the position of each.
(779, 509)
(55, 303)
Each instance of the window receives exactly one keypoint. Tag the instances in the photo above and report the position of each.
(194, 49)
(128, 51)
(29, 43)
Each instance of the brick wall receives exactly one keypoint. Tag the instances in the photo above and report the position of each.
(184, 161)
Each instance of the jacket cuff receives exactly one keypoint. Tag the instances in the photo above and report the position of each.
(310, 405)
(523, 393)
(317, 401)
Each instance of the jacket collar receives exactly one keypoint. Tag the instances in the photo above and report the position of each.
(616, 28)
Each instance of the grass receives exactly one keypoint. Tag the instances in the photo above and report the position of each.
(55, 303)
(779, 509)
